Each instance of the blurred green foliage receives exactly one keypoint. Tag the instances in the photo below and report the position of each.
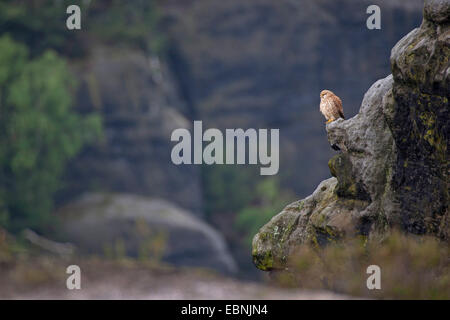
(241, 191)
(134, 23)
(39, 133)
(267, 200)
(41, 24)
(227, 188)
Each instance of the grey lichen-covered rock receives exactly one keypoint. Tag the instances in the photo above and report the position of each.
(392, 170)
(437, 10)
(319, 218)
(420, 123)
(343, 205)
(367, 147)
(137, 226)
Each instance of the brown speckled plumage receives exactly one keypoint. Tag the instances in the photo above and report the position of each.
(331, 106)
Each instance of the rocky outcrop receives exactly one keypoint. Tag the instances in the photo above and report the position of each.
(419, 120)
(393, 167)
(122, 225)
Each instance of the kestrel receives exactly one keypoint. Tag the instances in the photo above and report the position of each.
(331, 106)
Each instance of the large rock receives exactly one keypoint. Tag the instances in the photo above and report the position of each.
(130, 225)
(419, 121)
(393, 167)
(437, 10)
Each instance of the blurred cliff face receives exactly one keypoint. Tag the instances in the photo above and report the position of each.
(264, 63)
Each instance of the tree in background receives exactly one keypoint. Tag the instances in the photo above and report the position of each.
(39, 133)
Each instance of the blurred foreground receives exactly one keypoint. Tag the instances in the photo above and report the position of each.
(45, 279)
(411, 268)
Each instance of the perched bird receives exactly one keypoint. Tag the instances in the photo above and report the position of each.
(331, 106)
